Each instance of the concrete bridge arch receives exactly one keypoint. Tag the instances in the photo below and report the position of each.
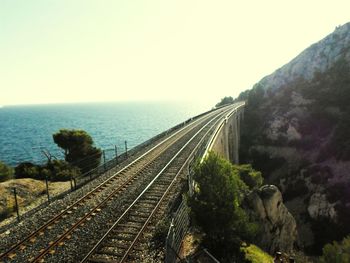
(226, 139)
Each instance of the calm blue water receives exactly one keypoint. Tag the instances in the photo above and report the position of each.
(25, 130)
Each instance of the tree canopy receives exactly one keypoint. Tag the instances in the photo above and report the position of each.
(337, 252)
(6, 172)
(28, 170)
(251, 177)
(215, 206)
(78, 148)
(224, 101)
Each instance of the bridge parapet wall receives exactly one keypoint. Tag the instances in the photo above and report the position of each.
(225, 142)
(226, 139)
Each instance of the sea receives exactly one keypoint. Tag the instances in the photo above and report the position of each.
(26, 131)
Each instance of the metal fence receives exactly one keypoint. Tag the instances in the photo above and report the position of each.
(181, 221)
(111, 158)
(177, 230)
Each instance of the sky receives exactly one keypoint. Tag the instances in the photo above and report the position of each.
(130, 50)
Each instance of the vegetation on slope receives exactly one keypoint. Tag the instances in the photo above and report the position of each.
(327, 113)
(215, 206)
(224, 101)
(78, 149)
(56, 170)
(318, 112)
(30, 194)
(80, 156)
(253, 254)
(6, 172)
(80, 153)
(337, 252)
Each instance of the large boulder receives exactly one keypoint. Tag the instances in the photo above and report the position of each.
(320, 207)
(278, 226)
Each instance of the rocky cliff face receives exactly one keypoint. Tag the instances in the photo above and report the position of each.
(319, 57)
(278, 227)
(297, 132)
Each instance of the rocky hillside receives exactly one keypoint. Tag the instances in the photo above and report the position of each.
(277, 226)
(297, 132)
(319, 57)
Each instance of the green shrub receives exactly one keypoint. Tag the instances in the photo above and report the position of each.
(60, 170)
(6, 172)
(251, 177)
(28, 170)
(253, 254)
(265, 163)
(215, 206)
(56, 170)
(224, 101)
(337, 252)
(6, 212)
(78, 149)
(160, 233)
(325, 231)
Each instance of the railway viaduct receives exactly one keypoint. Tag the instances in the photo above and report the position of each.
(226, 139)
(225, 142)
(116, 206)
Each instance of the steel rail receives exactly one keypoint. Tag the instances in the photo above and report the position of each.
(74, 226)
(81, 221)
(62, 213)
(162, 199)
(92, 251)
(218, 129)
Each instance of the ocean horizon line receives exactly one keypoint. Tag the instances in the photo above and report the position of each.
(210, 104)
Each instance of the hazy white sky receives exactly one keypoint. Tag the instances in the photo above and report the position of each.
(81, 50)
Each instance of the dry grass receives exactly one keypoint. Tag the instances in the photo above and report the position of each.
(30, 193)
(190, 244)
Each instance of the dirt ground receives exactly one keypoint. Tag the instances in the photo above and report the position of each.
(30, 194)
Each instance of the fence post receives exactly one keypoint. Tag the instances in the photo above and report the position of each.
(116, 154)
(169, 242)
(47, 189)
(190, 189)
(126, 149)
(16, 203)
(104, 160)
(71, 184)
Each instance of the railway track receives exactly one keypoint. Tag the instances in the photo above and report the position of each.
(64, 224)
(118, 243)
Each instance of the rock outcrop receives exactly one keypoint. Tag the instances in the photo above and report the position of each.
(320, 207)
(319, 57)
(278, 227)
(297, 133)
